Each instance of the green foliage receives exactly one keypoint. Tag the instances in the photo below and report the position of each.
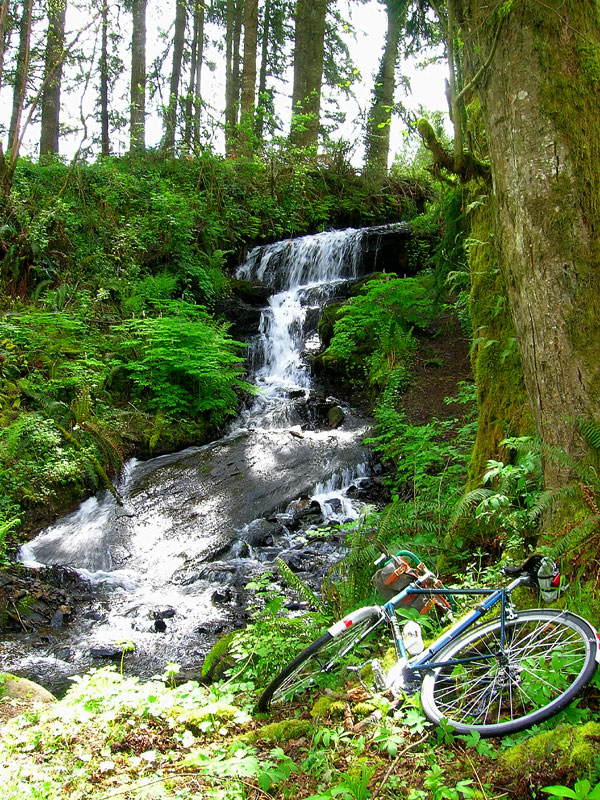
(427, 467)
(185, 363)
(372, 334)
(348, 584)
(582, 790)
(512, 508)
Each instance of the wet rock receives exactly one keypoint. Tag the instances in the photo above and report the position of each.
(335, 417)
(167, 613)
(222, 596)
(57, 619)
(106, 652)
(160, 626)
(335, 504)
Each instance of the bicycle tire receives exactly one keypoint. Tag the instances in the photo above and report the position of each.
(549, 656)
(321, 657)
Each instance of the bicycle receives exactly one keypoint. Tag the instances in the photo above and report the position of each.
(496, 677)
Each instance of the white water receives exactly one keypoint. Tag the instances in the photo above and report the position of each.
(175, 515)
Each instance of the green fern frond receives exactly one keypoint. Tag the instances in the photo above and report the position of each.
(590, 430)
(301, 588)
(575, 539)
(468, 502)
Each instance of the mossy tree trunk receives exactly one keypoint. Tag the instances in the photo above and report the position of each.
(540, 109)
(377, 139)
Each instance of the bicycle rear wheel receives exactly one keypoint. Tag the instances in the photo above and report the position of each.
(546, 659)
(335, 648)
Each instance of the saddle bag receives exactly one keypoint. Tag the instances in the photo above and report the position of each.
(396, 574)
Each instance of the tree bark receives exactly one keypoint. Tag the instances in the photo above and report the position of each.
(52, 77)
(377, 140)
(248, 93)
(232, 77)
(542, 121)
(104, 131)
(193, 100)
(264, 99)
(178, 43)
(308, 71)
(21, 75)
(3, 15)
(137, 119)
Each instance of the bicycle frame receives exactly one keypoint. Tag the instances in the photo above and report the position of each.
(426, 659)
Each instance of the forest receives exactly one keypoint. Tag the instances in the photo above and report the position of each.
(151, 155)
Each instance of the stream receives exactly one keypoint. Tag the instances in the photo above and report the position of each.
(165, 571)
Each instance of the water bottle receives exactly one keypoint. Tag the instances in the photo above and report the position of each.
(412, 638)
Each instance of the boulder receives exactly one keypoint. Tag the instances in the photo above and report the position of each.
(18, 695)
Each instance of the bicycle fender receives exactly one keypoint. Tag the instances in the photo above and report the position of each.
(353, 618)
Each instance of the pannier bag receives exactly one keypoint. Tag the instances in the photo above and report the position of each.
(397, 573)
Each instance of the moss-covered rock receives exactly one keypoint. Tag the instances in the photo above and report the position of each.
(331, 707)
(555, 757)
(284, 731)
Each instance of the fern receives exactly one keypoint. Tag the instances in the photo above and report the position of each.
(301, 588)
(590, 430)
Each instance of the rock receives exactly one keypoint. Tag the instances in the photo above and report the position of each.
(222, 596)
(335, 417)
(167, 613)
(106, 652)
(18, 695)
(160, 626)
(57, 619)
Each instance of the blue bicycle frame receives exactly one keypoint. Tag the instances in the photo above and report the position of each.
(426, 659)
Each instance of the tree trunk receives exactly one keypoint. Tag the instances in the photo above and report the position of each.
(377, 140)
(137, 119)
(232, 77)
(178, 43)
(264, 100)
(247, 99)
(21, 74)
(52, 77)
(542, 119)
(3, 15)
(308, 71)
(193, 99)
(104, 132)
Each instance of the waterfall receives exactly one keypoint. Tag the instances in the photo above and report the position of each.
(214, 516)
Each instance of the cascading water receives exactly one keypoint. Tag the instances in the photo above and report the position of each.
(197, 523)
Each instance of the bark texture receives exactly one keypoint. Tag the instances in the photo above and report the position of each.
(542, 120)
(377, 144)
(178, 43)
(137, 123)
(21, 74)
(52, 77)
(309, 52)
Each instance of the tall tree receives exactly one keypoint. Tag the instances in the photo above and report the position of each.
(248, 81)
(53, 64)
(104, 83)
(137, 123)
(377, 139)
(178, 45)
(3, 16)
(544, 205)
(263, 96)
(234, 13)
(309, 48)
(21, 75)
(193, 105)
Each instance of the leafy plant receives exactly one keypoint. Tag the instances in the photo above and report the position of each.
(582, 790)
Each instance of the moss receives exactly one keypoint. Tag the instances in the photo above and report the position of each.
(328, 706)
(285, 731)
(564, 753)
(501, 396)
(213, 711)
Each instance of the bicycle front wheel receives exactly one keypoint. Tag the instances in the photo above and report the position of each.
(496, 687)
(339, 646)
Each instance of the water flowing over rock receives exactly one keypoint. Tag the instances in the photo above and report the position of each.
(166, 570)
